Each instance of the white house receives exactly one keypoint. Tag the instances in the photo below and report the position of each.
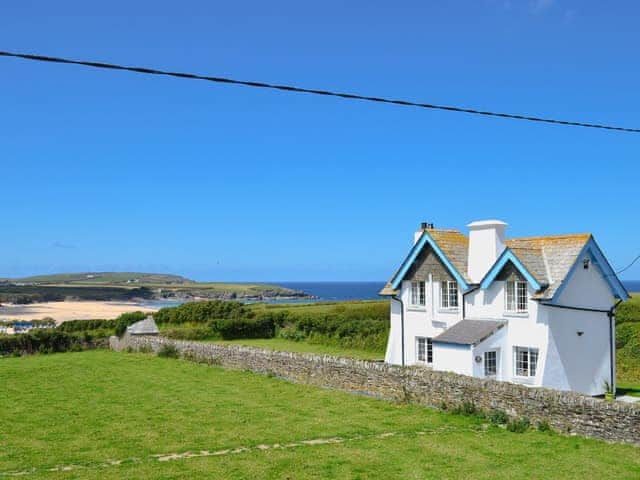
(538, 311)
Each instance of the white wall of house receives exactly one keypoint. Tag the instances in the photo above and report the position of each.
(522, 330)
(580, 362)
(452, 357)
(425, 321)
(393, 354)
(577, 362)
(497, 342)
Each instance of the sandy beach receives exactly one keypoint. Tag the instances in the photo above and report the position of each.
(73, 310)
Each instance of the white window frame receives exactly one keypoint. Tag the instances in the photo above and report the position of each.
(447, 295)
(519, 304)
(529, 353)
(418, 294)
(485, 362)
(427, 350)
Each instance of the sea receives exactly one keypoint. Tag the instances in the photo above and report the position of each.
(337, 291)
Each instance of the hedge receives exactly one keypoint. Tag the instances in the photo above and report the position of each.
(230, 329)
(202, 312)
(47, 341)
(117, 326)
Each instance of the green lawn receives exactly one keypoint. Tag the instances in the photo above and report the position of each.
(105, 414)
(283, 345)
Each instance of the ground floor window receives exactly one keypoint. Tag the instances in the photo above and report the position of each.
(424, 350)
(490, 363)
(526, 361)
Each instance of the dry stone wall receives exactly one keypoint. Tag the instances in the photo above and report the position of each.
(566, 412)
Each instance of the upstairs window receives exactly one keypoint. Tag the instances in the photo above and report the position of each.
(526, 361)
(418, 297)
(516, 298)
(424, 350)
(449, 294)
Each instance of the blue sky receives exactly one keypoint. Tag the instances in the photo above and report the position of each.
(118, 171)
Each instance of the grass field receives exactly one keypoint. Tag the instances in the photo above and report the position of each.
(103, 414)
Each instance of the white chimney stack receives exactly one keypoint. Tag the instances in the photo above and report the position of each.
(486, 243)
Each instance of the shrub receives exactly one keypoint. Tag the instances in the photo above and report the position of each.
(202, 312)
(498, 417)
(543, 426)
(628, 311)
(189, 333)
(519, 425)
(44, 341)
(116, 326)
(290, 333)
(466, 408)
(168, 351)
(229, 329)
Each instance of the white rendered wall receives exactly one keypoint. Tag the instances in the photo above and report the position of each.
(428, 321)
(497, 342)
(580, 362)
(522, 330)
(451, 357)
(393, 354)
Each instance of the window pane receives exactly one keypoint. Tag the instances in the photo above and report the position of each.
(444, 290)
(420, 343)
(422, 293)
(414, 293)
(522, 362)
(533, 361)
(490, 364)
(453, 294)
(510, 296)
(522, 296)
(429, 351)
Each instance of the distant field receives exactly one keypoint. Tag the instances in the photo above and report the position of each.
(107, 286)
(107, 415)
(104, 278)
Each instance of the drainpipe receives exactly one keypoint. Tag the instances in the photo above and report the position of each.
(612, 359)
(399, 300)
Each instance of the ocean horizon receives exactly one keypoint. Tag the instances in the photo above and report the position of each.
(336, 291)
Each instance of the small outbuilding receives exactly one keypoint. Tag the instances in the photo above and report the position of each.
(144, 327)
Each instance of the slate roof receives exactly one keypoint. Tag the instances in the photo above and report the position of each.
(453, 244)
(144, 327)
(547, 258)
(469, 332)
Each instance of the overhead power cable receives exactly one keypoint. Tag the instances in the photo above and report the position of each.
(289, 88)
(628, 266)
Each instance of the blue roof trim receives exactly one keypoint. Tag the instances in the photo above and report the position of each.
(425, 239)
(508, 256)
(600, 261)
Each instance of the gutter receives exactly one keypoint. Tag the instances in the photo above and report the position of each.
(611, 314)
(398, 299)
